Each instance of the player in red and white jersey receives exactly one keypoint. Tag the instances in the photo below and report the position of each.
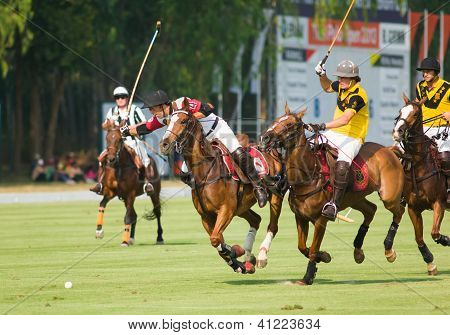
(213, 127)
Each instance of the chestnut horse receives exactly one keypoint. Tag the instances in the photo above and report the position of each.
(308, 189)
(425, 182)
(217, 197)
(121, 178)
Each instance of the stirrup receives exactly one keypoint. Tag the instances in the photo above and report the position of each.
(94, 188)
(325, 213)
(145, 188)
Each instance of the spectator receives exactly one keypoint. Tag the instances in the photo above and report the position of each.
(38, 173)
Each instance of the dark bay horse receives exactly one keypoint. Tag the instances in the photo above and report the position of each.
(308, 189)
(425, 181)
(216, 197)
(121, 178)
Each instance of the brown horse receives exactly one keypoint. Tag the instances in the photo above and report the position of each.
(121, 178)
(308, 189)
(425, 182)
(217, 197)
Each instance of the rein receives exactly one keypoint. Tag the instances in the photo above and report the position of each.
(282, 143)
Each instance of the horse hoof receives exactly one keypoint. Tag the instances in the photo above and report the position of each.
(238, 250)
(325, 257)
(131, 241)
(432, 269)
(391, 255)
(300, 283)
(249, 268)
(261, 261)
(99, 234)
(358, 255)
(124, 244)
(159, 242)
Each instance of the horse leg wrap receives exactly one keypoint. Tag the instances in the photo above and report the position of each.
(249, 240)
(389, 241)
(359, 239)
(443, 240)
(126, 233)
(310, 273)
(229, 255)
(100, 214)
(426, 254)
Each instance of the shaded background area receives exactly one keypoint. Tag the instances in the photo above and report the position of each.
(61, 59)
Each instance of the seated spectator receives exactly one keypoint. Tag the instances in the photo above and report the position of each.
(38, 173)
(90, 175)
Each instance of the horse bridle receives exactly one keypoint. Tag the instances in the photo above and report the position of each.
(281, 143)
(184, 135)
(116, 156)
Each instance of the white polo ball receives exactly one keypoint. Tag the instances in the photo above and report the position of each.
(68, 284)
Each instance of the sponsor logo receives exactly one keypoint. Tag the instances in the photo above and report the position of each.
(357, 34)
(392, 61)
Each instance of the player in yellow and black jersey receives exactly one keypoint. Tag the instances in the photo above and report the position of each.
(437, 93)
(349, 126)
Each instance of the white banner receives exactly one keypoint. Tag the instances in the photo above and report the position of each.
(222, 325)
(380, 49)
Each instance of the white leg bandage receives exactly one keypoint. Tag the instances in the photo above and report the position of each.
(267, 241)
(249, 240)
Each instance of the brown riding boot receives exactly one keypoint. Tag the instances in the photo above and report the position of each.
(445, 166)
(98, 188)
(245, 162)
(331, 208)
(148, 187)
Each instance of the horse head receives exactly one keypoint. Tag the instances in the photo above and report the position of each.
(181, 130)
(409, 116)
(284, 130)
(114, 142)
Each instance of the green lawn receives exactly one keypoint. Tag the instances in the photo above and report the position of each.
(45, 245)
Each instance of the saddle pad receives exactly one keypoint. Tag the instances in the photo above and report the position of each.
(359, 173)
(259, 161)
(227, 161)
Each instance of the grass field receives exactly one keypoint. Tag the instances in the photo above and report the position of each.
(44, 245)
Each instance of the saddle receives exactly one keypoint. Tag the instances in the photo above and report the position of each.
(233, 169)
(359, 171)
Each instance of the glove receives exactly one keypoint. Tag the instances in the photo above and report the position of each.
(125, 131)
(315, 127)
(320, 70)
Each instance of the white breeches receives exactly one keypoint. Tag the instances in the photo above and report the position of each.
(224, 133)
(442, 145)
(139, 147)
(348, 147)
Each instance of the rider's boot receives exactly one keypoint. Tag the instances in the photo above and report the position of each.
(148, 187)
(245, 162)
(98, 188)
(445, 165)
(331, 208)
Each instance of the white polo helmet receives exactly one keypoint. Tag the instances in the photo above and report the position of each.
(120, 90)
(347, 69)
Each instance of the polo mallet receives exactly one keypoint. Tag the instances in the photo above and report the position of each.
(337, 34)
(158, 28)
(345, 217)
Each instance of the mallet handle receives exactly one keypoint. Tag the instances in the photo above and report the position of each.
(337, 34)
(158, 28)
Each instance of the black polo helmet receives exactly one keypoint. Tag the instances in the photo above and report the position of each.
(155, 98)
(429, 63)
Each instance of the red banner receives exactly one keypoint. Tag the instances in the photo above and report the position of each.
(357, 34)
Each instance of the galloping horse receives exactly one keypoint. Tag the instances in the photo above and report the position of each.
(425, 182)
(121, 179)
(309, 189)
(216, 196)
